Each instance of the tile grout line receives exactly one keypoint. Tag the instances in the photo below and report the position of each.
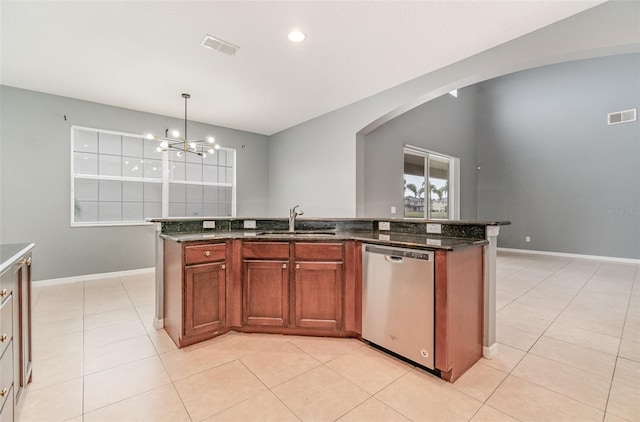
(538, 339)
(626, 316)
(615, 366)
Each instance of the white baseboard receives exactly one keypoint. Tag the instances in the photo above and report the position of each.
(572, 255)
(490, 352)
(91, 277)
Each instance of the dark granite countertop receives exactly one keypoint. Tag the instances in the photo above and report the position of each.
(10, 253)
(420, 241)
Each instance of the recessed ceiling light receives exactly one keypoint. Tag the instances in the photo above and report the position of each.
(296, 36)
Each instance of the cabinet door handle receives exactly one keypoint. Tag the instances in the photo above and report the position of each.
(3, 338)
(4, 392)
(4, 293)
(224, 266)
(207, 253)
(284, 265)
(297, 266)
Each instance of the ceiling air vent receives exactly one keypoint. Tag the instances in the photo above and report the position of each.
(219, 45)
(621, 117)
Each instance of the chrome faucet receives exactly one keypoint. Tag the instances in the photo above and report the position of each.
(293, 213)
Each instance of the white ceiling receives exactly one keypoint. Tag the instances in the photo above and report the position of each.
(143, 54)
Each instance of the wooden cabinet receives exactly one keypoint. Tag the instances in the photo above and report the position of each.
(194, 291)
(459, 288)
(15, 328)
(319, 285)
(204, 290)
(298, 288)
(286, 287)
(265, 293)
(265, 284)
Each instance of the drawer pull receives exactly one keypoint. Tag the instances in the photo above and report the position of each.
(4, 293)
(4, 392)
(224, 266)
(297, 266)
(207, 253)
(284, 265)
(3, 338)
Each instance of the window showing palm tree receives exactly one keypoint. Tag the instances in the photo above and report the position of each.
(426, 185)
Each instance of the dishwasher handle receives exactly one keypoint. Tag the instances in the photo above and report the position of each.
(394, 259)
(398, 254)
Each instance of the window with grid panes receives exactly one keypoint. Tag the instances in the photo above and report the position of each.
(118, 179)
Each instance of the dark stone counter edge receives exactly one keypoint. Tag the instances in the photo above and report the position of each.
(390, 239)
(462, 229)
(10, 253)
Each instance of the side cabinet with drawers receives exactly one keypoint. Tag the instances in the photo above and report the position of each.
(15, 333)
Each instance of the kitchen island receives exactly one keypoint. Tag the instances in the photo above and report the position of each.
(254, 275)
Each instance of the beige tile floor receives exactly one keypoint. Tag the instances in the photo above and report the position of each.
(569, 334)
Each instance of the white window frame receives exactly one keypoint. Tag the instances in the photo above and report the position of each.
(164, 181)
(453, 212)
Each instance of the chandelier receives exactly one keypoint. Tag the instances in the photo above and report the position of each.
(182, 144)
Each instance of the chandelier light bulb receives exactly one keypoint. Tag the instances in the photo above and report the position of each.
(296, 36)
(172, 140)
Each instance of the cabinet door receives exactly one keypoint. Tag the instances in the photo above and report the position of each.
(204, 310)
(319, 291)
(266, 293)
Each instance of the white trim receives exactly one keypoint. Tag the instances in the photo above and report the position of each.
(492, 231)
(111, 224)
(158, 324)
(490, 352)
(572, 255)
(92, 277)
(454, 200)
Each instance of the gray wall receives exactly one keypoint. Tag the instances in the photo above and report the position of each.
(319, 164)
(552, 166)
(35, 182)
(446, 125)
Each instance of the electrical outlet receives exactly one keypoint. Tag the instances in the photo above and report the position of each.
(249, 224)
(208, 224)
(384, 225)
(527, 239)
(393, 210)
(434, 228)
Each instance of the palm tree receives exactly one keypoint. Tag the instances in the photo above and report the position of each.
(411, 187)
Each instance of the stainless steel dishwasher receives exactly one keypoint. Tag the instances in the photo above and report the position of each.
(398, 301)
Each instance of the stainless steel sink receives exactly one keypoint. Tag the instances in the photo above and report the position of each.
(297, 233)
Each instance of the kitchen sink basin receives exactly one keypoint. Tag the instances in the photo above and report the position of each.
(298, 233)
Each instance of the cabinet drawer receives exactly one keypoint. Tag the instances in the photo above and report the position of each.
(204, 253)
(6, 377)
(319, 251)
(265, 250)
(6, 323)
(6, 284)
